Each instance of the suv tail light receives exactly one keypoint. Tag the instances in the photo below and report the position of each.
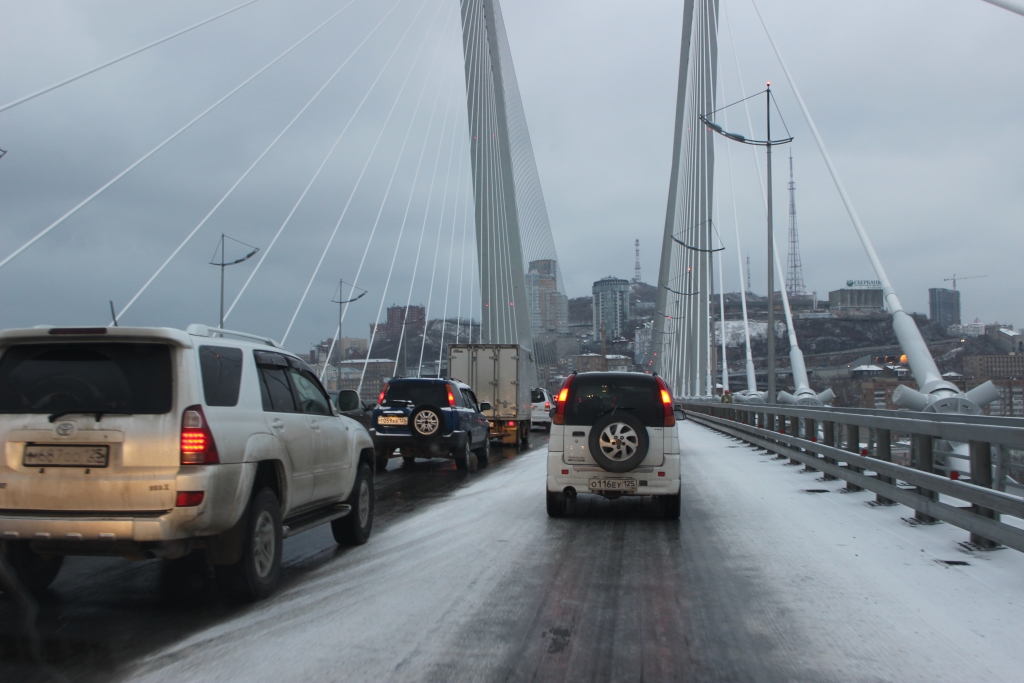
(563, 397)
(197, 444)
(380, 399)
(451, 396)
(666, 402)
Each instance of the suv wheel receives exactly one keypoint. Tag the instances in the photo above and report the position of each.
(618, 442)
(255, 575)
(483, 452)
(673, 505)
(426, 422)
(556, 504)
(381, 456)
(35, 571)
(355, 527)
(465, 459)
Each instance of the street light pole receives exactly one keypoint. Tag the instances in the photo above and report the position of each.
(341, 301)
(224, 263)
(770, 399)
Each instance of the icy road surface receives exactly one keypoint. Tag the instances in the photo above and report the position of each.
(759, 581)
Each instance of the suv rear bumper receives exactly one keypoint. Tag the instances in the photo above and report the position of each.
(652, 481)
(439, 446)
(161, 525)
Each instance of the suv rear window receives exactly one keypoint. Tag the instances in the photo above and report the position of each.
(221, 367)
(591, 397)
(104, 377)
(413, 393)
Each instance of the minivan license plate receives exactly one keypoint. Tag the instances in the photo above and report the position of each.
(602, 484)
(65, 456)
(392, 420)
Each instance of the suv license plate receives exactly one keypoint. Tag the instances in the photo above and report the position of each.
(392, 420)
(602, 484)
(65, 456)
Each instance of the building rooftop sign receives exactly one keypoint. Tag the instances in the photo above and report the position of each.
(864, 284)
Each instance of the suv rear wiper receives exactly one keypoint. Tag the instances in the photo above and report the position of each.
(98, 413)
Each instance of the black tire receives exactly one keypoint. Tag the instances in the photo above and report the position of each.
(426, 422)
(35, 571)
(525, 437)
(355, 527)
(483, 451)
(464, 458)
(556, 504)
(547, 427)
(673, 506)
(618, 442)
(381, 456)
(255, 575)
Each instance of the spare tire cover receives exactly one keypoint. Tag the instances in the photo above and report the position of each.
(426, 422)
(618, 442)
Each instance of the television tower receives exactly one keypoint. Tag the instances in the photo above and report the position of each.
(794, 268)
(750, 288)
(636, 268)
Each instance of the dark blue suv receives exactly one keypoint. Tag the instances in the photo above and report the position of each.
(430, 418)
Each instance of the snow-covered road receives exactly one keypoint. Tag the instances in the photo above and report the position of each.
(759, 581)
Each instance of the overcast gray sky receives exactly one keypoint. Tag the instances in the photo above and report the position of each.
(920, 102)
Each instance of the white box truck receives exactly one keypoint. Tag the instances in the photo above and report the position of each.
(502, 375)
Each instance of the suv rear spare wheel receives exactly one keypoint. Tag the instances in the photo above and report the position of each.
(618, 442)
(426, 422)
(255, 575)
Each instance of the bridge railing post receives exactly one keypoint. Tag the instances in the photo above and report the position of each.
(923, 458)
(853, 446)
(981, 475)
(811, 434)
(794, 430)
(829, 436)
(883, 451)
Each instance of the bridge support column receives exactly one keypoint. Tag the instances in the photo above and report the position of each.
(883, 451)
(981, 475)
(853, 446)
(811, 434)
(923, 460)
(829, 436)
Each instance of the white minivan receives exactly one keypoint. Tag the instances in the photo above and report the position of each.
(614, 434)
(154, 442)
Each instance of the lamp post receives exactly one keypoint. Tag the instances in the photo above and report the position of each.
(224, 263)
(767, 144)
(341, 301)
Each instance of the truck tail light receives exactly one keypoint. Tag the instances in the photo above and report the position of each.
(451, 396)
(511, 423)
(197, 444)
(563, 397)
(666, 402)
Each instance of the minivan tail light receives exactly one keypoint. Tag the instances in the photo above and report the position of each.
(547, 405)
(666, 402)
(451, 396)
(197, 444)
(563, 397)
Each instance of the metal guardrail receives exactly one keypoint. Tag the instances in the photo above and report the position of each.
(829, 440)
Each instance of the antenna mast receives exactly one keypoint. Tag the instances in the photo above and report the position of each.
(636, 268)
(750, 289)
(794, 267)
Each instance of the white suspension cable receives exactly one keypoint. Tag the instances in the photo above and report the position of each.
(156, 149)
(1012, 5)
(362, 172)
(249, 170)
(26, 98)
(451, 246)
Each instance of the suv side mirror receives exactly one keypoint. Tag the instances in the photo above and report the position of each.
(348, 400)
(484, 405)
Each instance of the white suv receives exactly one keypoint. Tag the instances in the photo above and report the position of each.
(153, 442)
(540, 416)
(614, 435)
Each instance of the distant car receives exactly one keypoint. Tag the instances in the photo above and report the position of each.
(350, 405)
(154, 442)
(542, 404)
(614, 435)
(430, 418)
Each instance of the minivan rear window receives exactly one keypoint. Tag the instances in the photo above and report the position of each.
(99, 377)
(413, 393)
(221, 367)
(537, 396)
(591, 397)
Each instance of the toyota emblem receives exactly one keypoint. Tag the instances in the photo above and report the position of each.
(65, 428)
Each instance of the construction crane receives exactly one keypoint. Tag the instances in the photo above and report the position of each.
(955, 278)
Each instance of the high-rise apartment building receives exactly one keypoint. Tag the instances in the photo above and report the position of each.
(944, 306)
(549, 308)
(611, 297)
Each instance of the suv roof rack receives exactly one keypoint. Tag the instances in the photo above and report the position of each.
(198, 330)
